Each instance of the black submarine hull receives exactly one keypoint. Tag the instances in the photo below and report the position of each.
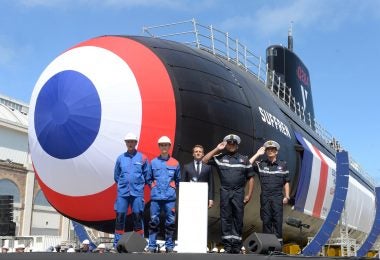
(213, 97)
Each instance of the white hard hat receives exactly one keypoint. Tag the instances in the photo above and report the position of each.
(86, 242)
(130, 136)
(222, 250)
(70, 250)
(101, 246)
(164, 140)
(214, 250)
(20, 246)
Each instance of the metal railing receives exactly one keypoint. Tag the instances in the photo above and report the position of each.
(214, 41)
(222, 45)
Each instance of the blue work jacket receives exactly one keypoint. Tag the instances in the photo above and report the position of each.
(130, 174)
(164, 178)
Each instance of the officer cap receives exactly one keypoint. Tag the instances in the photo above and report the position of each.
(130, 136)
(232, 137)
(271, 143)
(164, 140)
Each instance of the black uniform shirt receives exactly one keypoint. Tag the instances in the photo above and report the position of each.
(233, 169)
(273, 176)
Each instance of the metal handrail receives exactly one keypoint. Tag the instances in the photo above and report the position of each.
(220, 43)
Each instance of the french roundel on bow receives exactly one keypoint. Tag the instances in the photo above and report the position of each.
(82, 106)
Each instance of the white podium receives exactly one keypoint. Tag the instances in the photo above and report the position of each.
(192, 217)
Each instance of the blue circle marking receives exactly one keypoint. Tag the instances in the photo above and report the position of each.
(67, 114)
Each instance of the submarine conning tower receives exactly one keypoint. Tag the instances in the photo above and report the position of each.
(289, 70)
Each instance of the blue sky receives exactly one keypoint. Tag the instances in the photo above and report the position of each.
(337, 40)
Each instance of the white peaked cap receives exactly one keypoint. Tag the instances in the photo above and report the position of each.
(272, 143)
(232, 137)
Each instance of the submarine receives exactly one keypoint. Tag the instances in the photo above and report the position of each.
(93, 93)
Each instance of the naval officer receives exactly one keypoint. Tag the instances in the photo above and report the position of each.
(274, 180)
(234, 170)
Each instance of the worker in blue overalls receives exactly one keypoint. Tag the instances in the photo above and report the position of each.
(164, 180)
(130, 174)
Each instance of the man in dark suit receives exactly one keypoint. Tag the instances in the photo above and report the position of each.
(199, 172)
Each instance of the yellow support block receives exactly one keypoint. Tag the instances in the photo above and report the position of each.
(291, 249)
(332, 250)
(371, 253)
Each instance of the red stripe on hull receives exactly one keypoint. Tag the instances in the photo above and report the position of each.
(321, 186)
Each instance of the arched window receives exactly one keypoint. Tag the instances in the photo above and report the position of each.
(8, 187)
(41, 200)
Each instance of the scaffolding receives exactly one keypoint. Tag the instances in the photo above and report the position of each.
(343, 245)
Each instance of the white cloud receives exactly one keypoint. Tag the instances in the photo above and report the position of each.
(170, 4)
(324, 15)
(7, 54)
(13, 53)
(151, 3)
(47, 3)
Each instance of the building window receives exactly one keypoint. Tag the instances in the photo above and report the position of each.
(8, 187)
(41, 200)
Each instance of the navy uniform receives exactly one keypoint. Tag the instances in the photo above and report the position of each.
(234, 169)
(273, 176)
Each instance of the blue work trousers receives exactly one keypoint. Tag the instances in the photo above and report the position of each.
(156, 207)
(121, 207)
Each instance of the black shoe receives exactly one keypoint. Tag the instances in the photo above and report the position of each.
(169, 250)
(151, 250)
(226, 251)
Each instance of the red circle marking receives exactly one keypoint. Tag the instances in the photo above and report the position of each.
(158, 118)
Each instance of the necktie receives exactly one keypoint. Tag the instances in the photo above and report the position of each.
(198, 167)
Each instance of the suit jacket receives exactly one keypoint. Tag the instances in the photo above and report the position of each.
(206, 175)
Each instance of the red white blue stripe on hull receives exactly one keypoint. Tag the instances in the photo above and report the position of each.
(317, 186)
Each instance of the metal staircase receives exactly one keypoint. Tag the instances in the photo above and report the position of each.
(346, 246)
(82, 233)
